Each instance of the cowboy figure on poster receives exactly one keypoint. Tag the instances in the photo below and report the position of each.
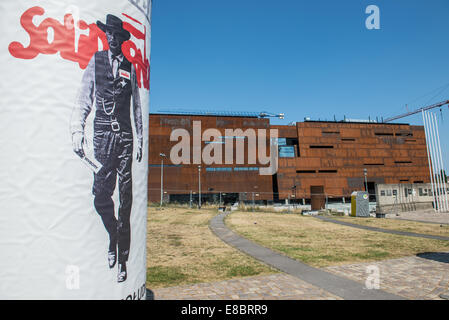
(109, 86)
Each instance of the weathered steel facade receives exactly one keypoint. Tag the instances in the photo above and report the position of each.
(327, 156)
(242, 180)
(333, 155)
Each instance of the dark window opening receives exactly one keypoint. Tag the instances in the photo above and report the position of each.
(329, 133)
(418, 181)
(275, 187)
(402, 162)
(372, 191)
(373, 164)
(321, 147)
(404, 180)
(383, 134)
(328, 171)
(347, 139)
(404, 134)
(294, 142)
(287, 146)
(305, 171)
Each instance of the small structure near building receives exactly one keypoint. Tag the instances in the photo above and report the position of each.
(360, 204)
(393, 198)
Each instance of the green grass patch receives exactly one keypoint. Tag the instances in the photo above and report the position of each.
(165, 275)
(242, 271)
(323, 244)
(372, 255)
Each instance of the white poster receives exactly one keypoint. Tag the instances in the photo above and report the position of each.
(74, 106)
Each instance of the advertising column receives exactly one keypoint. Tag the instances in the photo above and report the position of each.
(74, 105)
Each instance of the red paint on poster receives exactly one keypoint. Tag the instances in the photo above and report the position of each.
(64, 42)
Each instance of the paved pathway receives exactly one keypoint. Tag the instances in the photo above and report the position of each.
(339, 286)
(396, 232)
(428, 216)
(425, 276)
(279, 286)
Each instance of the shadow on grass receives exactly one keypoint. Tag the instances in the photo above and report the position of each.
(435, 256)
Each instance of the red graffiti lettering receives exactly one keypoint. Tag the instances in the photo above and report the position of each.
(64, 42)
(141, 64)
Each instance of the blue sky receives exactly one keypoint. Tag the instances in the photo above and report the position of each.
(304, 58)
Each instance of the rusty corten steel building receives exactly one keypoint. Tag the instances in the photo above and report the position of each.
(315, 157)
(234, 182)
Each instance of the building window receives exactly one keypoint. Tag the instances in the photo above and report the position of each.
(287, 152)
(404, 134)
(395, 192)
(423, 192)
(211, 169)
(382, 193)
(388, 134)
(389, 192)
(246, 169)
(320, 147)
(327, 133)
(282, 141)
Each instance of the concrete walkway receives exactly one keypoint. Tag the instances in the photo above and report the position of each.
(396, 232)
(421, 277)
(279, 286)
(336, 285)
(426, 216)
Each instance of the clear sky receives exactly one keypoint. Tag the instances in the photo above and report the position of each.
(303, 58)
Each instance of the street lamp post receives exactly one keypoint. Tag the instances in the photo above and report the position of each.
(365, 171)
(162, 155)
(199, 187)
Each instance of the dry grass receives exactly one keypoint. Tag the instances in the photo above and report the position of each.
(323, 244)
(400, 225)
(183, 250)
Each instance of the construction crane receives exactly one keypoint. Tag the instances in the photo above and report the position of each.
(265, 114)
(436, 105)
(262, 114)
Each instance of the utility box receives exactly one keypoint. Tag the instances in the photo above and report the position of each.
(359, 204)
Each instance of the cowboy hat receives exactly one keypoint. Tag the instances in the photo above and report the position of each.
(114, 23)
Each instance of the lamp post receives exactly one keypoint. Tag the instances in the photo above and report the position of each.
(199, 187)
(162, 155)
(365, 171)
